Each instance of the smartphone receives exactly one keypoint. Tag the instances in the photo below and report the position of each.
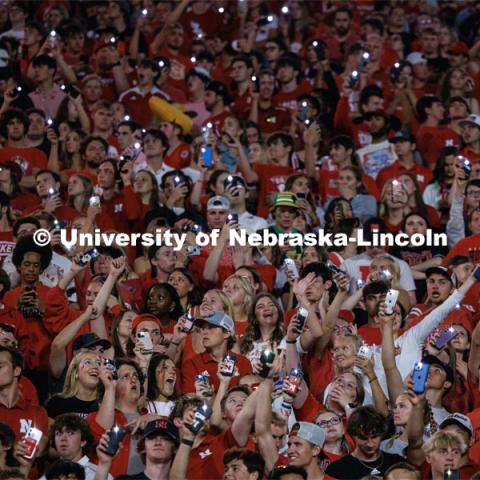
(419, 376)
(451, 474)
(294, 379)
(59, 224)
(188, 323)
(477, 273)
(146, 341)
(115, 436)
(331, 266)
(391, 301)
(353, 79)
(202, 414)
(70, 90)
(302, 317)
(177, 180)
(365, 61)
(445, 336)
(303, 111)
(32, 439)
(193, 250)
(467, 167)
(112, 366)
(94, 201)
(232, 218)
(206, 133)
(231, 181)
(267, 356)
(364, 351)
(15, 92)
(207, 156)
(290, 265)
(228, 367)
(88, 256)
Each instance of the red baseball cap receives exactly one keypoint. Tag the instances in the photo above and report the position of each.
(146, 317)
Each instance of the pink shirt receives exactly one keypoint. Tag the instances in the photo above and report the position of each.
(48, 101)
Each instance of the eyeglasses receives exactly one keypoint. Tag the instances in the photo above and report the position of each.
(473, 193)
(329, 423)
(91, 363)
(129, 376)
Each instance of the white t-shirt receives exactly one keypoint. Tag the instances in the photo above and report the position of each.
(354, 267)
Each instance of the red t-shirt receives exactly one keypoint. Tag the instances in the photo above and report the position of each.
(205, 462)
(28, 158)
(274, 119)
(40, 333)
(204, 362)
(23, 415)
(271, 179)
(137, 105)
(423, 175)
(431, 140)
(469, 247)
(180, 157)
(288, 100)
(329, 187)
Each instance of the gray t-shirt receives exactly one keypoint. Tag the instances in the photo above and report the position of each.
(135, 464)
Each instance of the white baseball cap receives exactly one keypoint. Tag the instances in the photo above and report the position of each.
(416, 57)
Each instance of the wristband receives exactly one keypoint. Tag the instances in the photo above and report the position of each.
(188, 442)
(290, 341)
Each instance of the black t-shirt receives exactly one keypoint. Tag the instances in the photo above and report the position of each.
(58, 405)
(349, 468)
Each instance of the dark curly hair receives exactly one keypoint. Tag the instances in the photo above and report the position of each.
(26, 244)
(74, 423)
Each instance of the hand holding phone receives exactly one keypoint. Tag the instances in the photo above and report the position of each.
(115, 436)
(419, 377)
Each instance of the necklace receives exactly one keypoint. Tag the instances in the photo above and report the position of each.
(375, 470)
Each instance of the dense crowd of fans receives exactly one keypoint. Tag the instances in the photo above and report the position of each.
(235, 361)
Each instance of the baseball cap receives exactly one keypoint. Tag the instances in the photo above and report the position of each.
(459, 419)
(472, 119)
(433, 360)
(201, 73)
(146, 317)
(416, 57)
(218, 203)
(310, 432)
(285, 199)
(402, 135)
(440, 271)
(161, 426)
(88, 340)
(458, 48)
(219, 319)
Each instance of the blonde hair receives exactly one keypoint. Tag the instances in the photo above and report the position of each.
(393, 268)
(226, 303)
(247, 289)
(70, 387)
(443, 439)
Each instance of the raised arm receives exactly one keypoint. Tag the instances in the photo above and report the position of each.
(263, 425)
(415, 426)
(210, 271)
(394, 379)
(58, 352)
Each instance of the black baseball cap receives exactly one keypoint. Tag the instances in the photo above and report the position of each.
(433, 360)
(88, 340)
(440, 271)
(403, 136)
(163, 426)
